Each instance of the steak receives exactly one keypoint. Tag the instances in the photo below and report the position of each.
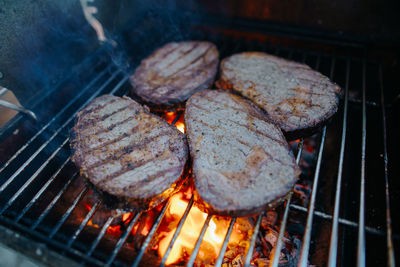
(128, 153)
(174, 72)
(298, 99)
(241, 161)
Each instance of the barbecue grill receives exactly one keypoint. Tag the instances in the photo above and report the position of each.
(48, 212)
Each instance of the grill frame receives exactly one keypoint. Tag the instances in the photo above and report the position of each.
(88, 256)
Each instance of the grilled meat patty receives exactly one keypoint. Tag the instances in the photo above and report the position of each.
(175, 71)
(297, 98)
(127, 152)
(241, 161)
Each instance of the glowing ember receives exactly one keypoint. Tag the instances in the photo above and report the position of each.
(180, 126)
(171, 116)
(187, 238)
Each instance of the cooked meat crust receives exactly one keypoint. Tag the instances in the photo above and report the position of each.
(297, 98)
(127, 152)
(241, 161)
(175, 71)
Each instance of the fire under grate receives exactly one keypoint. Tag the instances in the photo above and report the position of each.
(43, 197)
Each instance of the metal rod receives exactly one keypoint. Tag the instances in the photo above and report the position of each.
(87, 87)
(84, 223)
(149, 236)
(53, 202)
(68, 212)
(249, 253)
(3, 90)
(225, 244)
(26, 163)
(177, 231)
(9, 105)
(341, 220)
(335, 224)
(198, 242)
(43, 238)
(307, 234)
(100, 236)
(29, 181)
(282, 229)
(389, 241)
(122, 239)
(42, 189)
(361, 221)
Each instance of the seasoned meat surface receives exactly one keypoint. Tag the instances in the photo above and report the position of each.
(241, 161)
(297, 98)
(175, 71)
(127, 152)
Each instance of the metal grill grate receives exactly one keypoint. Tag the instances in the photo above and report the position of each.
(29, 174)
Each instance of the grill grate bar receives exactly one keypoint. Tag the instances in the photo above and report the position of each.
(25, 164)
(48, 208)
(307, 234)
(42, 189)
(84, 90)
(68, 212)
(361, 222)
(198, 242)
(122, 239)
(99, 236)
(51, 242)
(335, 224)
(282, 228)
(150, 236)
(30, 180)
(256, 229)
(253, 241)
(53, 202)
(84, 222)
(225, 244)
(177, 231)
(310, 213)
(341, 220)
(391, 259)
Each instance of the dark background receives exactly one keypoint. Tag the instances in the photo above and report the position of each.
(42, 40)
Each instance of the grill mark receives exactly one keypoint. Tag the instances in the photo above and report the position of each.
(246, 127)
(87, 111)
(90, 121)
(204, 68)
(223, 104)
(125, 170)
(311, 92)
(128, 149)
(163, 55)
(195, 45)
(122, 171)
(201, 122)
(108, 129)
(135, 128)
(189, 63)
(152, 177)
(86, 149)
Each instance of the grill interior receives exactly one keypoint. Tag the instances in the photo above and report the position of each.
(43, 198)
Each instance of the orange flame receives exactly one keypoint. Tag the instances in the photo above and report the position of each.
(180, 126)
(184, 244)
